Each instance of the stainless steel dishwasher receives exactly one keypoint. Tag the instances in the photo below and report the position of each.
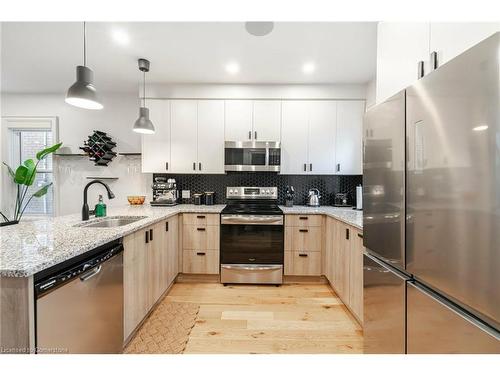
(79, 303)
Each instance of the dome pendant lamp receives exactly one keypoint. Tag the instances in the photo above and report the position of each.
(83, 93)
(143, 124)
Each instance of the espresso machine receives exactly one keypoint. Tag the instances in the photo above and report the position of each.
(164, 192)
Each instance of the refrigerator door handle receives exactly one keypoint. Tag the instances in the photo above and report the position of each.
(464, 315)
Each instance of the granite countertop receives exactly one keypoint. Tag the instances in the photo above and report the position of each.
(32, 246)
(345, 214)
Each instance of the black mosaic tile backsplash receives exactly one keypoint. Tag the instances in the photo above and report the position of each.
(328, 185)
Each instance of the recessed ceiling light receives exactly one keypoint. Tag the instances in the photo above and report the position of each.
(480, 128)
(259, 28)
(120, 37)
(309, 68)
(232, 68)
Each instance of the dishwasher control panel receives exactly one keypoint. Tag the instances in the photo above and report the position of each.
(83, 270)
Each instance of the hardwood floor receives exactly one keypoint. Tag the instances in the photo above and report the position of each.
(292, 318)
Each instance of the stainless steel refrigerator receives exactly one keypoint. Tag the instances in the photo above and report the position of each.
(432, 211)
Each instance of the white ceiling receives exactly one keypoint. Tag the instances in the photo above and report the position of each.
(41, 57)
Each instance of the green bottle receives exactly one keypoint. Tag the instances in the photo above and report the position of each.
(100, 208)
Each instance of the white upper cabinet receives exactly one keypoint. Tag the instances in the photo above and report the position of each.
(322, 125)
(294, 137)
(184, 136)
(156, 147)
(400, 46)
(349, 140)
(238, 118)
(450, 39)
(252, 120)
(266, 120)
(210, 136)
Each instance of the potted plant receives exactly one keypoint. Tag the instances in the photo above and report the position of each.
(24, 177)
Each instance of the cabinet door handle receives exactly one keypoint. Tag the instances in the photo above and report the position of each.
(200, 254)
(166, 165)
(255, 135)
(303, 230)
(166, 226)
(200, 229)
(151, 234)
(251, 259)
(305, 167)
(346, 233)
(200, 216)
(303, 255)
(310, 167)
(434, 60)
(303, 218)
(338, 167)
(199, 166)
(194, 165)
(249, 134)
(420, 69)
(360, 235)
(147, 237)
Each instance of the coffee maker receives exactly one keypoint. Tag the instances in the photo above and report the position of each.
(164, 192)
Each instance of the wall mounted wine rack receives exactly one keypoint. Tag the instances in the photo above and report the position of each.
(99, 147)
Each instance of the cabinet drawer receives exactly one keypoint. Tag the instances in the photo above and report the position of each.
(201, 219)
(200, 237)
(303, 220)
(302, 264)
(200, 261)
(306, 239)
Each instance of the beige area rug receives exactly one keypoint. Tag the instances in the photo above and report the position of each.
(166, 330)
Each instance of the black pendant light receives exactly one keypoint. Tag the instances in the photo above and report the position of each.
(143, 124)
(83, 93)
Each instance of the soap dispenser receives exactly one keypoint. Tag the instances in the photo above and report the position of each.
(100, 208)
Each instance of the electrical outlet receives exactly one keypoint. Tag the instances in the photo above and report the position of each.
(186, 194)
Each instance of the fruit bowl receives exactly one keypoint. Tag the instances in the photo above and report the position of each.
(135, 200)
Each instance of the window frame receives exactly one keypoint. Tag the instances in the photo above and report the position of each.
(13, 123)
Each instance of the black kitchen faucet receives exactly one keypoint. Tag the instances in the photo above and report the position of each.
(85, 208)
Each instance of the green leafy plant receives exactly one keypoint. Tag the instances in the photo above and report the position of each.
(24, 176)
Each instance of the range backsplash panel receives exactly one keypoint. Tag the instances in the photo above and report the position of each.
(328, 185)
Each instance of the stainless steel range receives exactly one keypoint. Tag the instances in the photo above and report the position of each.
(252, 237)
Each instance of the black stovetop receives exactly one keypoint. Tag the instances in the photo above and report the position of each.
(239, 207)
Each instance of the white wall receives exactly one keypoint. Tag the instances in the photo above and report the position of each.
(371, 91)
(119, 113)
(75, 124)
(230, 91)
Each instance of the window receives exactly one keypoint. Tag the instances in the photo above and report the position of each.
(25, 144)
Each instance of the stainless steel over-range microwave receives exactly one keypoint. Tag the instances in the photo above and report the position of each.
(252, 156)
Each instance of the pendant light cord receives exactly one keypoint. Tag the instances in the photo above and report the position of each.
(144, 88)
(84, 44)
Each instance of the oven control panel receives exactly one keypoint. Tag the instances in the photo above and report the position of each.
(247, 192)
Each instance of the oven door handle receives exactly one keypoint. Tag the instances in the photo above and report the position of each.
(252, 219)
(251, 268)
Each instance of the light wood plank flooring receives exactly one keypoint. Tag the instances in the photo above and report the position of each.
(292, 318)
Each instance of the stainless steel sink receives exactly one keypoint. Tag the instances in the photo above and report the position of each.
(111, 222)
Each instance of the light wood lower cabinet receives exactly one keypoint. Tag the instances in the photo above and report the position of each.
(201, 261)
(304, 239)
(150, 265)
(344, 264)
(303, 245)
(201, 237)
(356, 275)
(200, 243)
(135, 280)
(302, 263)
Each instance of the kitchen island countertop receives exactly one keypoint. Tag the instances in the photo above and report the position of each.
(32, 246)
